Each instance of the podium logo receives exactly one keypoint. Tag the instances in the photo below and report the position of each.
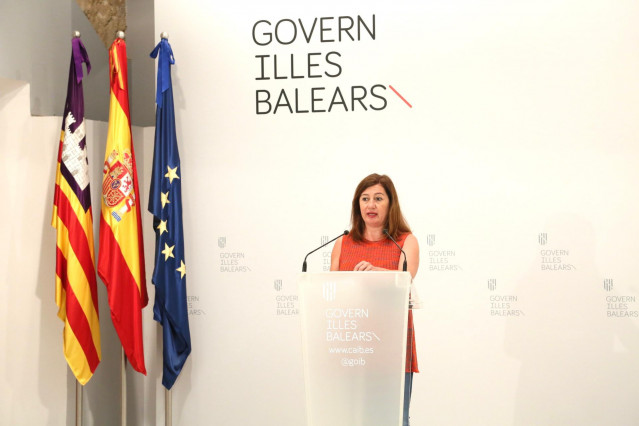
(329, 291)
(430, 239)
(492, 284)
(221, 242)
(608, 284)
(277, 285)
(543, 238)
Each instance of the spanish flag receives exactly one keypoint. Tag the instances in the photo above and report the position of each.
(121, 253)
(75, 286)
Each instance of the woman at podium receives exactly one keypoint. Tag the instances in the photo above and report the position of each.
(377, 229)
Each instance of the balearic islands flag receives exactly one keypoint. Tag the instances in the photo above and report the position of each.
(76, 291)
(165, 202)
(121, 255)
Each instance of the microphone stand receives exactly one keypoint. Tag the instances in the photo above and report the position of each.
(323, 245)
(405, 266)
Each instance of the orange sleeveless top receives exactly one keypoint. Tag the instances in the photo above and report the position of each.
(382, 254)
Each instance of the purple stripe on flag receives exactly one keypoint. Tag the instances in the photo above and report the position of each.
(75, 101)
(84, 195)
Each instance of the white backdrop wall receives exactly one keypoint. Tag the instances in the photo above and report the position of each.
(515, 167)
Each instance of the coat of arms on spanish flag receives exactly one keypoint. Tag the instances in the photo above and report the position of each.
(121, 253)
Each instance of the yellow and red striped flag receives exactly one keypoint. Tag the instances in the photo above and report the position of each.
(121, 254)
(75, 286)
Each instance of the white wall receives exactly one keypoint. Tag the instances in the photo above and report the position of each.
(33, 391)
(522, 123)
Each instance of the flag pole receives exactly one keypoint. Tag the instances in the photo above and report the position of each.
(168, 400)
(123, 389)
(170, 270)
(72, 195)
(78, 403)
(168, 412)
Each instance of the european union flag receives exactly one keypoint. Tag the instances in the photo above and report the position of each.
(165, 202)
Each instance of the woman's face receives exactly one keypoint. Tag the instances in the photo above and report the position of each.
(374, 203)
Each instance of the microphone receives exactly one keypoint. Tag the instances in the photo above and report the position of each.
(325, 244)
(400, 249)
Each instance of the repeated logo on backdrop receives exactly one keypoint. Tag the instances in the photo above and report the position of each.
(231, 261)
(194, 306)
(286, 305)
(441, 259)
(553, 259)
(502, 305)
(619, 306)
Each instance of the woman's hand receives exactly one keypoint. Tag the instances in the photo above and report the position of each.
(367, 266)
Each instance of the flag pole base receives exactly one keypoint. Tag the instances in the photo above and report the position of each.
(123, 390)
(78, 403)
(168, 412)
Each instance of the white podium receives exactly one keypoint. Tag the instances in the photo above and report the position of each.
(354, 345)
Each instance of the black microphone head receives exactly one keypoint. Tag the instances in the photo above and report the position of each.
(345, 232)
(385, 231)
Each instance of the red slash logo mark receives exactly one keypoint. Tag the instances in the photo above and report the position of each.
(400, 96)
